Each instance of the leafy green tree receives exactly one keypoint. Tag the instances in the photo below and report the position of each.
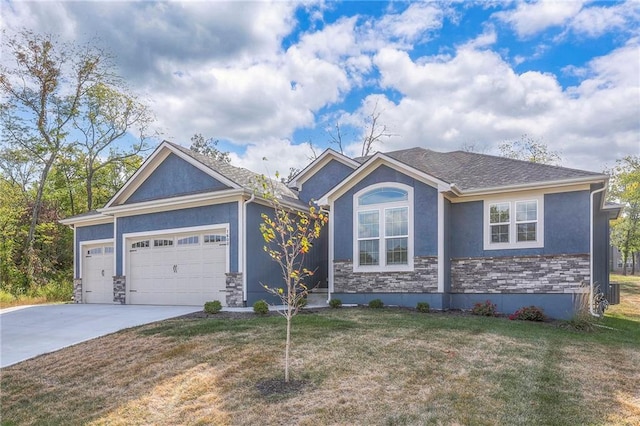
(288, 236)
(624, 187)
(529, 149)
(106, 115)
(14, 215)
(43, 88)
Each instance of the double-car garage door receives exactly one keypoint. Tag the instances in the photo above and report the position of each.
(170, 269)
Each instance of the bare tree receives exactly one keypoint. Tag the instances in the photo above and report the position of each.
(373, 132)
(529, 149)
(209, 148)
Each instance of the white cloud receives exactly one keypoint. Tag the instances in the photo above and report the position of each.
(280, 156)
(476, 97)
(594, 21)
(530, 18)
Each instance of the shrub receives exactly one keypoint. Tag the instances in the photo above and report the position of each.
(486, 309)
(261, 307)
(582, 321)
(335, 303)
(55, 291)
(213, 307)
(528, 313)
(376, 304)
(423, 307)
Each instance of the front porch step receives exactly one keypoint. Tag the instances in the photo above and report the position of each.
(317, 298)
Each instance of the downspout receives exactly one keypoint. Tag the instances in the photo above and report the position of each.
(244, 247)
(591, 283)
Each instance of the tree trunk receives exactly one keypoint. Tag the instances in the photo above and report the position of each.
(35, 213)
(287, 346)
(90, 188)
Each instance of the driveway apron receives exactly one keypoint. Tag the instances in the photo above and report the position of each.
(26, 332)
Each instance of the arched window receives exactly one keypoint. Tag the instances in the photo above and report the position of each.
(383, 228)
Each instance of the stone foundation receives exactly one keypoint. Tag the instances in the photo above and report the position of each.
(77, 290)
(120, 289)
(234, 290)
(423, 278)
(521, 274)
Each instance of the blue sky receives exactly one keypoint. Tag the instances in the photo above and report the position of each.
(266, 78)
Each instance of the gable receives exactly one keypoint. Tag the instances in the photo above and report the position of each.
(326, 178)
(174, 177)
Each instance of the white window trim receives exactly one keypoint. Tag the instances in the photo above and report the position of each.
(381, 239)
(513, 243)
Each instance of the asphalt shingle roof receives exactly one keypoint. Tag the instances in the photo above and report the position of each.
(241, 176)
(471, 171)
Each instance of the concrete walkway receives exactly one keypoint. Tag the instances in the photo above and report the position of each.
(29, 331)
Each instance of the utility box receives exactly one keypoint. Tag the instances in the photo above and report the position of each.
(614, 293)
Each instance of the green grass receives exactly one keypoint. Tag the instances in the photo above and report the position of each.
(354, 366)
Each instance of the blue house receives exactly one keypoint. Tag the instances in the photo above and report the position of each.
(450, 229)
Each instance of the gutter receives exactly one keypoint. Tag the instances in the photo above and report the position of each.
(244, 246)
(591, 283)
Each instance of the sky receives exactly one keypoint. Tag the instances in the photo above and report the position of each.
(271, 79)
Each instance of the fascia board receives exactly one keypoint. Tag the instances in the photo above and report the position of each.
(97, 219)
(175, 203)
(286, 204)
(324, 158)
(527, 186)
(154, 161)
(373, 163)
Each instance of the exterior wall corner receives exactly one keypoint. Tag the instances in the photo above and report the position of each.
(120, 289)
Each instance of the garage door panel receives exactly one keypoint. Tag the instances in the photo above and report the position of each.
(179, 269)
(97, 274)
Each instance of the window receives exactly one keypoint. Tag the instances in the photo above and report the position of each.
(215, 238)
(162, 243)
(140, 244)
(192, 240)
(514, 224)
(382, 228)
(108, 249)
(96, 250)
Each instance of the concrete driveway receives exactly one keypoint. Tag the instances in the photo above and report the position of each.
(26, 332)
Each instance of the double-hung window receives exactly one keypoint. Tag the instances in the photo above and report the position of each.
(383, 228)
(514, 223)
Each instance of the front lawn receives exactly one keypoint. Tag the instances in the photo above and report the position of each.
(351, 366)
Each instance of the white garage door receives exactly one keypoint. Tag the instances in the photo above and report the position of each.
(97, 273)
(177, 269)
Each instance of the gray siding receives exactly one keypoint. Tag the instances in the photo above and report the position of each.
(566, 225)
(197, 216)
(425, 212)
(324, 180)
(261, 268)
(174, 177)
(89, 233)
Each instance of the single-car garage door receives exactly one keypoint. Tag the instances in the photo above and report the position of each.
(177, 269)
(97, 273)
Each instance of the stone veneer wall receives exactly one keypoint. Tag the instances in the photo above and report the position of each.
(234, 290)
(120, 289)
(423, 278)
(520, 274)
(77, 290)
